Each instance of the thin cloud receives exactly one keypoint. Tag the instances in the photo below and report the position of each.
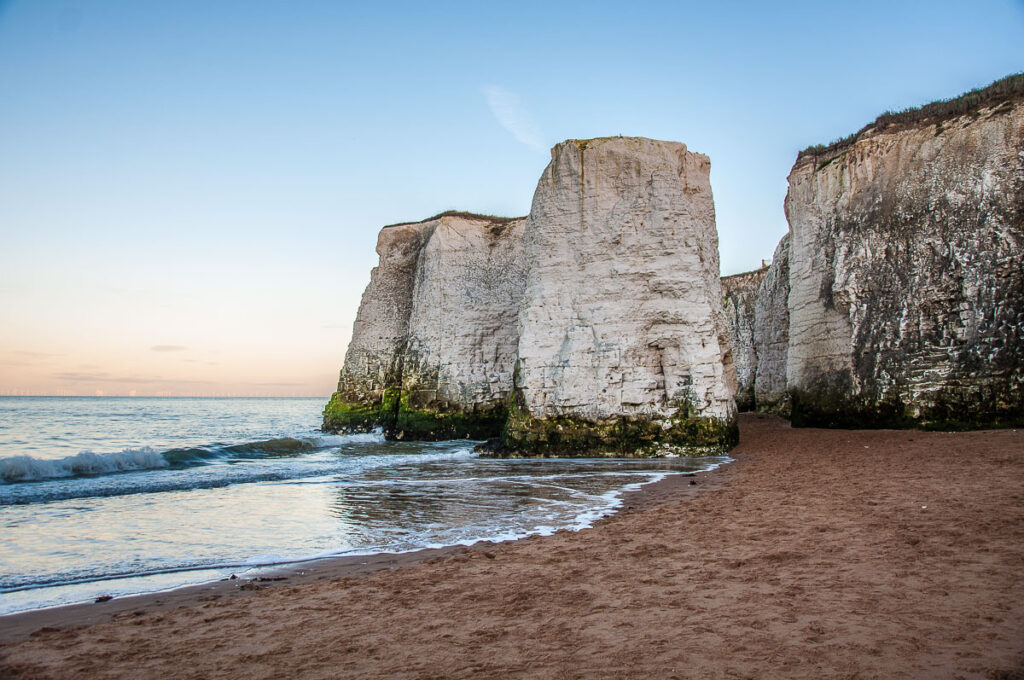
(508, 110)
(103, 376)
(168, 348)
(80, 375)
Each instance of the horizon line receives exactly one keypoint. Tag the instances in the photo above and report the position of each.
(161, 396)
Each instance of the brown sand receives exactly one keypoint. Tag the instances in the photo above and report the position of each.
(818, 554)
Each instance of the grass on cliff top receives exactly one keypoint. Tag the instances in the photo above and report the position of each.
(752, 274)
(582, 144)
(459, 213)
(1005, 90)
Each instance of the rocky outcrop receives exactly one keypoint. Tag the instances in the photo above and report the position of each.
(755, 305)
(739, 299)
(771, 334)
(373, 360)
(461, 349)
(434, 343)
(623, 347)
(592, 327)
(906, 303)
(596, 325)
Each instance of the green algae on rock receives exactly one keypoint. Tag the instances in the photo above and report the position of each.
(399, 421)
(620, 437)
(428, 425)
(349, 416)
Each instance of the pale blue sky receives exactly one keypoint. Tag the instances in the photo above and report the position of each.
(211, 176)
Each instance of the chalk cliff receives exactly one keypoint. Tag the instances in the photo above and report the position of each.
(906, 302)
(771, 334)
(623, 346)
(433, 345)
(599, 325)
(373, 360)
(462, 338)
(594, 326)
(739, 301)
(755, 305)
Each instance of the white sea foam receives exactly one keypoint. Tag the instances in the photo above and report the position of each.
(374, 437)
(326, 439)
(27, 468)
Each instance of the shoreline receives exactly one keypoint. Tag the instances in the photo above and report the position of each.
(815, 554)
(20, 625)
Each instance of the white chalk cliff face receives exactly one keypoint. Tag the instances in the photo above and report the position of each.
(382, 324)
(771, 334)
(621, 319)
(462, 334)
(755, 306)
(738, 304)
(434, 343)
(906, 298)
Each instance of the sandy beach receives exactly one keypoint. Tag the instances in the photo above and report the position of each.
(816, 554)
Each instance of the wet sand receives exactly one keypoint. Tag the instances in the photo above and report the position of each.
(817, 554)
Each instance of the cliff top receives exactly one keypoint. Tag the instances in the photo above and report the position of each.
(584, 143)
(593, 141)
(459, 213)
(745, 281)
(1005, 91)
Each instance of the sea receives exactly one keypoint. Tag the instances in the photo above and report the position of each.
(120, 496)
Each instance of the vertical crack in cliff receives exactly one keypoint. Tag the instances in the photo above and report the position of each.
(664, 378)
(394, 388)
(583, 177)
(753, 375)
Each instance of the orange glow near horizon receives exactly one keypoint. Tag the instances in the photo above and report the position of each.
(98, 345)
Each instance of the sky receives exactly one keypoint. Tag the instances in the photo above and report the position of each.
(190, 191)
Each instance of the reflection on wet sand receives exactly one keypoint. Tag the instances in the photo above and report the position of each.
(459, 501)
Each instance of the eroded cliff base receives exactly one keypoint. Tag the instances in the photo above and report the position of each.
(951, 409)
(512, 433)
(680, 434)
(400, 421)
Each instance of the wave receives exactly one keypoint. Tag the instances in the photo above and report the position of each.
(16, 469)
(584, 512)
(168, 479)
(29, 469)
